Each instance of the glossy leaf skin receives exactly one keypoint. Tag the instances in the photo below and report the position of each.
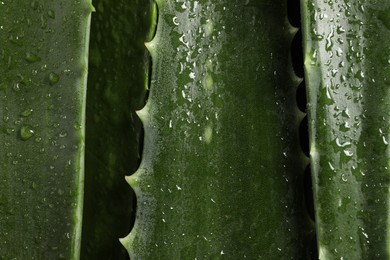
(43, 68)
(221, 173)
(348, 74)
(117, 83)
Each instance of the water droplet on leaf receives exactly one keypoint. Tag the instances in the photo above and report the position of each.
(53, 78)
(26, 132)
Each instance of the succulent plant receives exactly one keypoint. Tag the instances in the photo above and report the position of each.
(207, 121)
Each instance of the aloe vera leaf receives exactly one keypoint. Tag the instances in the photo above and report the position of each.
(348, 74)
(116, 88)
(43, 68)
(221, 172)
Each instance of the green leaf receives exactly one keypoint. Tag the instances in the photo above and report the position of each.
(221, 173)
(348, 70)
(43, 65)
(117, 83)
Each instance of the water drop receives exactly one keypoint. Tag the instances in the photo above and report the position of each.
(329, 95)
(340, 29)
(44, 67)
(175, 21)
(208, 134)
(10, 131)
(26, 132)
(209, 82)
(63, 134)
(345, 127)
(346, 113)
(26, 112)
(317, 37)
(331, 166)
(209, 27)
(31, 57)
(329, 42)
(340, 144)
(360, 75)
(17, 86)
(384, 140)
(53, 78)
(51, 14)
(339, 52)
(348, 153)
(43, 22)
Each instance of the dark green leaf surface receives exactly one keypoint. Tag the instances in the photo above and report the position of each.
(347, 61)
(43, 67)
(116, 88)
(221, 173)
